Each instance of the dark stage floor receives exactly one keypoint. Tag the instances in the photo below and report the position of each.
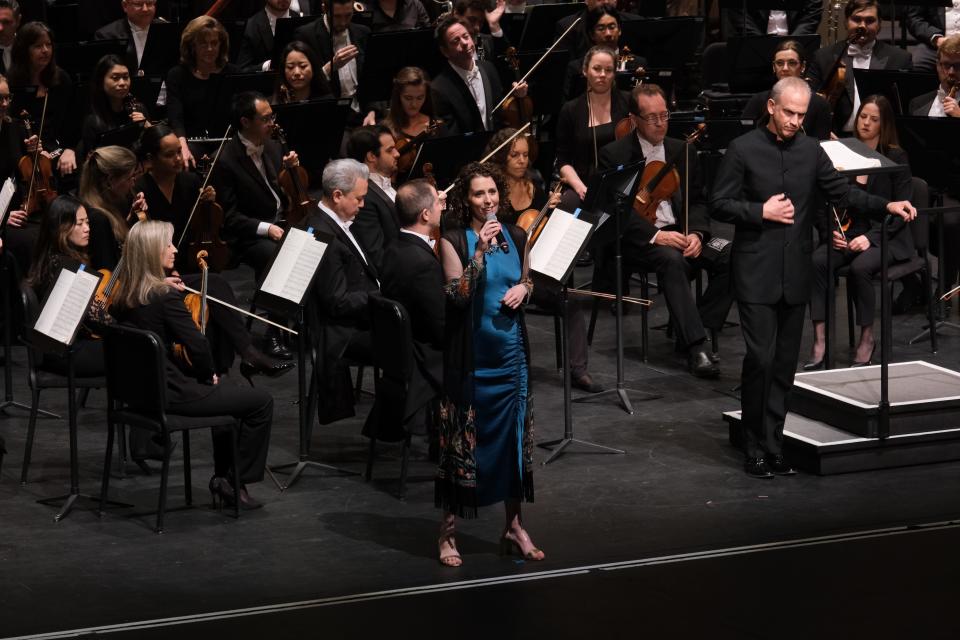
(678, 490)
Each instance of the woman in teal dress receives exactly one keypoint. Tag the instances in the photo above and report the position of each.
(486, 418)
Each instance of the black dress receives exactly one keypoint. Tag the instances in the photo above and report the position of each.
(190, 101)
(61, 126)
(95, 125)
(578, 145)
(186, 188)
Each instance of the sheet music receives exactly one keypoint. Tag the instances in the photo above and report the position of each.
(559, 244)
(845, 159)
(294, 266)
(67, 305)
(6, 197)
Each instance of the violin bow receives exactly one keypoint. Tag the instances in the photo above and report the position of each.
(203, 187)
(494, 152)
(36, 152)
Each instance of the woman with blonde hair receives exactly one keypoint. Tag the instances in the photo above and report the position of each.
(106, 188)
(148, 299)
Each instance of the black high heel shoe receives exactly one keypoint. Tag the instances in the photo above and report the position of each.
(855, 364)
(255, 362)
(813, 365)
(224, 495)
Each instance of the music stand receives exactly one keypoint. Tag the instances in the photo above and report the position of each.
(283, 35)
(513, 25)
(545, 80)
(899, 86)
(147, 90)
(749, 59)
(230, 85)
(610, 195)
(79, 58)
(162, 50)
(449, 154)
(315, 146)
(389, 51)
(126, 136)
(752, 5)
(667, 43)
(538, 31)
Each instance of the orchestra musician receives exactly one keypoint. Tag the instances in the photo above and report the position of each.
(466, 90)
(256, 47)
(204, 47)
(578, 41)
(939, 103)
(929, 25)
(148, 299)
(789, 60)
(486, 416)
(111, 104)
(134, 27)
(376, 225)
(21, 231)
(674, 247)
(773, 211)
(865, 52)
(602, 23)
(492, 44)
(10, 17)
(859, 244)
(761, 22)
(411, 109)
(587, 123)
(346, 278)
(298, 79)
(395, 15)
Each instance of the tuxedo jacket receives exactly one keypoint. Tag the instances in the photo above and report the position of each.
(925, 22)
(921, 105)
(376, 225)
(316, 36)
(627, 150)
(242, 192)
(120, 30)
(799, 23)
(884, 56)
(578, 41)
(413, 276)
(257, 43)
(454, 104)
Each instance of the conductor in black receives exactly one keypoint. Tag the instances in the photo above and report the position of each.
(767, 186)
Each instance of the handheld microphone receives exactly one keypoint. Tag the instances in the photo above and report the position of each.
(501, 242)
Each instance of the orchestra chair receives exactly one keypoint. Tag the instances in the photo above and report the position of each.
(714, 66)
(393, 365)
(41, 377)
(136, 397)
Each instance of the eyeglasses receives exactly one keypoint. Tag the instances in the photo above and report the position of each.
(654, 118)
(780, 64)
(270, 117)
(6, 98)
(950, 66)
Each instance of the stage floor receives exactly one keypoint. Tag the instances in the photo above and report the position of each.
(679, 489)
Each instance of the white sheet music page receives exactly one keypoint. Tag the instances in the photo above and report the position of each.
(67, 305)
(846, 159)
(6, 197)
(294, 266)
(559, 244)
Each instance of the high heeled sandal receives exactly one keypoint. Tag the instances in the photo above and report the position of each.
(447, 545)
(509, 545)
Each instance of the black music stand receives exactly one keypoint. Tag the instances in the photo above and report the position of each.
(668, 43)
(79, 58)
(743, 6)
(229, 85)
(125, 136)
(162, 50)
(147, 90)
(546, 79)
(448, 154)
(389, 51)
(315, 145)
(750, 57)
(931, 144)
(609, 203)
(513, 25)
(898, 85)
(542, 19)
(296, 311)
(283, 35)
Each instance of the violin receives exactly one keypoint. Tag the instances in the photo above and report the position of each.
(408, 146)
(36, 170)
(196, 303)
(294, 181)
(836, 82)
(660, 180)
(533, 221)
(205, 222)
(516, 110)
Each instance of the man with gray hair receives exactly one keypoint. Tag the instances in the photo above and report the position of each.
(767, 186)
(342, 287)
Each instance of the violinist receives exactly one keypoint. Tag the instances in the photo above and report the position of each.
(602, 24)
(204, 47)
(524, 183)
(864, 52)
(21, 231)
(673, 245)
(789, 61)
(760, 22)
(857, 241)
(111, 104)
(148, 299)
(376, 225)
(245, 179)
(298, 80)
(33, 64)
(587, 123)
(411, 109)
(942, 102)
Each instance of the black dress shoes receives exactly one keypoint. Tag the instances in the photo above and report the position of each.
(586, 383)
(779, 466)
(813, 365)
(273, 346)
(757, 468)
(700, 365)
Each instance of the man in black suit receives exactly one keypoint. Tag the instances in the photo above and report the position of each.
(928, 24)
(465, 91)
(492, 44)
(866, 52)
(245, 178)
(377, 225)
(769, 185)
(413, 276)
(578, 40)
(669, 246)
(256, 47)
(134, 27)
(9, 23)
(346, 279)
(761, 22)
(938, 103)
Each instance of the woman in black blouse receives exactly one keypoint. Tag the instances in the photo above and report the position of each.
(602, 26)
(33, 64)
(148, 299)
(109, 95)
(299, 80)
(587, 123)
(524, 185)
(204, 47)
(21, 231)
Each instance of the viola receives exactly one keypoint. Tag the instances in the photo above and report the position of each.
(408, 146)
(533, 221)
(294, 181)
(516, 110)
(36, 170)
(836, 82)
(660, 180)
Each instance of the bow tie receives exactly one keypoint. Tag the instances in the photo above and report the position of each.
(860, 51)
(254, 151)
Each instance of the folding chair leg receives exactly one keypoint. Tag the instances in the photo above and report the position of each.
(404, 464)
(164, 477)
(105, 482)
(371, 453)
(31, 430)
(851, 330)
(187, 475)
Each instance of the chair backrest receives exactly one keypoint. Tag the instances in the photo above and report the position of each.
(135, 361)
(920, 228)
(24, 317)
(714, 65)
(392, 338)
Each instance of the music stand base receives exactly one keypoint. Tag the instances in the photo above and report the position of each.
(71, 499)
(13, 404)
(923, 335)
(561, 444)
(623, 396)
(298, 468)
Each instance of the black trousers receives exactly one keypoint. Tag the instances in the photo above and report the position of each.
(257, 254)
(771, 333)
(254, 408)
(862, 267)
(951, 245)
(546, 295)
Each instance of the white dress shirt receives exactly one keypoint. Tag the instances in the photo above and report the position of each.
(273, 17)
(384, 183)
(7, 57)
(474, 82)
(777, 24)
(256, 155)
(139, 40)
(430, 241)
(952, 19)
(348, 72)
(665, 215)
(345, 226)
(936, 109)
(861, 60)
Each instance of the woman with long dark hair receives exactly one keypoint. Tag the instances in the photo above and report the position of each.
(111, 104)
(299, 79)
